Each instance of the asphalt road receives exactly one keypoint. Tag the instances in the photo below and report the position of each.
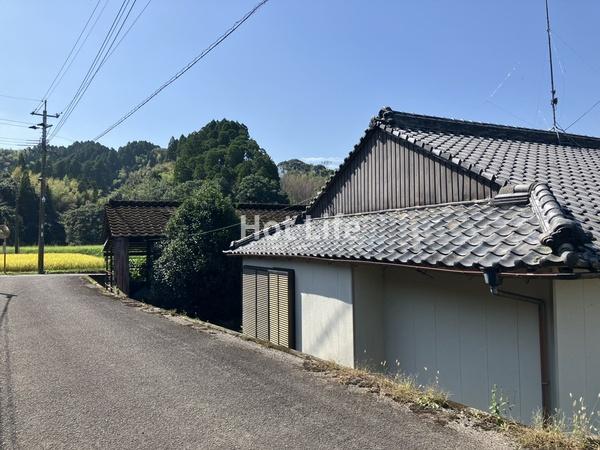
(79, 370)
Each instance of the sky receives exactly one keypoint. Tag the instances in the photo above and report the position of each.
(305, 76)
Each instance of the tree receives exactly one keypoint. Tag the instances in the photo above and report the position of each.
(302, 181)
(27, 210)
(222, 150)
(7, 202)
(172, 149)
(54, 231)
(84, 225)
(301, 187)
(8, 190)
(67, 194)
(137, 154)
(258, 189)
(154, 183)
(192, 271)
(298, 166)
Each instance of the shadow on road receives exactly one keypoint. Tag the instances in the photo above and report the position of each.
(8, 438)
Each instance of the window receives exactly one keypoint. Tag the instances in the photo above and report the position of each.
(267, 305)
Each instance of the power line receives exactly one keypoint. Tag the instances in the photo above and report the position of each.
(237, 224)
(97, 62)
(187, 67)
(16, 121)
(16, 145)
(19, 144)
(14, 97)
(9, 138)
(71, 105)
(8, 124)
(78, 50)
(70, 53)
(16, 142)
(130, 27)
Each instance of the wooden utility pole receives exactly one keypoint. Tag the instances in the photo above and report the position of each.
(42, 213)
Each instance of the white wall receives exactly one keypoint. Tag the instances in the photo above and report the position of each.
(323, 307)
(369, 345)
(365, 314)
(451, 323)
(577, 335)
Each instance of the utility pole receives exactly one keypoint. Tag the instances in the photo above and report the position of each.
(42, 213)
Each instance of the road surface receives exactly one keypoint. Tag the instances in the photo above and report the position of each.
(79, 369)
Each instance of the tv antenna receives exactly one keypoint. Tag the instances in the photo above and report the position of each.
(554, 100)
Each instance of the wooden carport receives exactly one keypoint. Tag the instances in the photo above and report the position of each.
(132, 229)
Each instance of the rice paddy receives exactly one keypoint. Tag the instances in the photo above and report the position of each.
(54, 262)
(94, 250)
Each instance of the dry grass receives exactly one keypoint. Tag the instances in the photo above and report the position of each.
(419, 398)
(54, 262)
(551, 434)
(401, 389)
(546, 438)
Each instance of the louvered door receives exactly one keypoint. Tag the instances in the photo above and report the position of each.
(267, 310)
(262, 305)
(249, 301)
(273, 307)
(285, 291)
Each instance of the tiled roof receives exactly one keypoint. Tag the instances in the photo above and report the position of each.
(513, 155)
(469, 235)
(138, 218)
(547, 212)
(133, 218)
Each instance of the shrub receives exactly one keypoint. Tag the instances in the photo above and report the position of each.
(258, 189)
(192, 271)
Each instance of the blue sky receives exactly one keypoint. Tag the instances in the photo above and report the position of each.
(307, 75)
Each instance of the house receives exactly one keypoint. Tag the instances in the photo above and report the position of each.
(133, 227)
(457, 252)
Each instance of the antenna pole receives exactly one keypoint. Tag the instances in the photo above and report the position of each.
(554, 101)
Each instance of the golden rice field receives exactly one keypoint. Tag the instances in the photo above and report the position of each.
(53, 262)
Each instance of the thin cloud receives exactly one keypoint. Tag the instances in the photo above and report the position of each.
(331, 162)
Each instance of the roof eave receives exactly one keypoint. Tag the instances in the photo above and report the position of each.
(545, 270)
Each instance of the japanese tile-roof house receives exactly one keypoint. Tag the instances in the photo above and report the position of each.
(441, 247)
(132, 227)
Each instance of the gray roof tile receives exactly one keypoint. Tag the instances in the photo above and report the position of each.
(546, 214)
(511, 155)
(399, 236)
